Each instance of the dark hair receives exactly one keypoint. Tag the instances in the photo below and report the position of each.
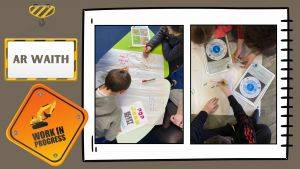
(202, 34)
(261, 39)
(178, 29)
(117, 80)
(219, 140)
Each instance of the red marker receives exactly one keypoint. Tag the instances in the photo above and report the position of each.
(143, 81)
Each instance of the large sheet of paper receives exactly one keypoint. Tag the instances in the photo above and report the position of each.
(202, 83)
(153, 94)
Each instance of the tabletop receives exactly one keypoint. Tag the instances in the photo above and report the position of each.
(200, 93)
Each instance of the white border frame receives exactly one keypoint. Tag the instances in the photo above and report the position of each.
(184, 17)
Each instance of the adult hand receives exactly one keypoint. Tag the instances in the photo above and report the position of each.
(177, 119)
(146, 51)
(211, 106)
(248, 60)
(225, 87)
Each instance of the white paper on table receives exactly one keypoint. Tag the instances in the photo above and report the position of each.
(217, 66)
(263, 75)
(200, 93)
(153, 94)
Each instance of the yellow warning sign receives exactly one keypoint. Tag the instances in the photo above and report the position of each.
(47, 125)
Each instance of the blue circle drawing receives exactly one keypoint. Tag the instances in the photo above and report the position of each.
(216, 49)
(250, 87)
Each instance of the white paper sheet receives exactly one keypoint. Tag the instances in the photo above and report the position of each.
(201, 93)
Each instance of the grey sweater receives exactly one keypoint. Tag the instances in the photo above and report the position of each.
(108, 117)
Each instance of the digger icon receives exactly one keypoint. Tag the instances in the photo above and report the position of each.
(41, 12)
(43, 113)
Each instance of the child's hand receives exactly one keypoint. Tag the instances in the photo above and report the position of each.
(248, 60)
(211, 106)
(239, 48)
(126, 68)
(177, 119)
(224, 86)
(236, 55)
(147, 50)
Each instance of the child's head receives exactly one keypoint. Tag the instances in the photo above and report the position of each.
(202, 34)
(118, 80)
(175, 30)
(261, 39)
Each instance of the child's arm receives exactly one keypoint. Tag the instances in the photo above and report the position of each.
(157, 39)
(176, 96)
(197, 133)
(247, 60)
(172, 54)
(114, 128)
(243, 121)
(240, 32)
(197, 128)
(240, 42)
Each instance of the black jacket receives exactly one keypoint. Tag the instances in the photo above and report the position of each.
(172, 47)
(243, 130)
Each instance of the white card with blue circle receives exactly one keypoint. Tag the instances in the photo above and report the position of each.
(218, 55)
(254, 83)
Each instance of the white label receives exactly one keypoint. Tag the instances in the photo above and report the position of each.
(46, 59)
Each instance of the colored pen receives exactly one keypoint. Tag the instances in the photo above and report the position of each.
(143, 81)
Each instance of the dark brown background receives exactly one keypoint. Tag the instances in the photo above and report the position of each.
(67, 22)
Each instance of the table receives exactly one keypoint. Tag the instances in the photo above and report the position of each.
(158, 90)
(201, 94)
(125, 44)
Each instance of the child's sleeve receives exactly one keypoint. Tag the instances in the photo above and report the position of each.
(197, 124)
(115, 126)
(158, 37)
(243, 121)
(171, 54)
(176, 96)
(240, 32)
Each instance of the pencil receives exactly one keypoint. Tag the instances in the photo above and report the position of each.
(148, 80)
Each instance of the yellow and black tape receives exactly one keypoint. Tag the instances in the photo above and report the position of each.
(7, 40)
(41, 11)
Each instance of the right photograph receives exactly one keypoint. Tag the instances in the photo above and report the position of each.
(233, 84)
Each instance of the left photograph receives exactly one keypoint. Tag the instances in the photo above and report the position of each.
(138, 84)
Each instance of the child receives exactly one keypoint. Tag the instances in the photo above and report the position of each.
(171, 38)
(245, 131)
(108, 113)
(260, 40)
(203, 34)
(176, 97)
